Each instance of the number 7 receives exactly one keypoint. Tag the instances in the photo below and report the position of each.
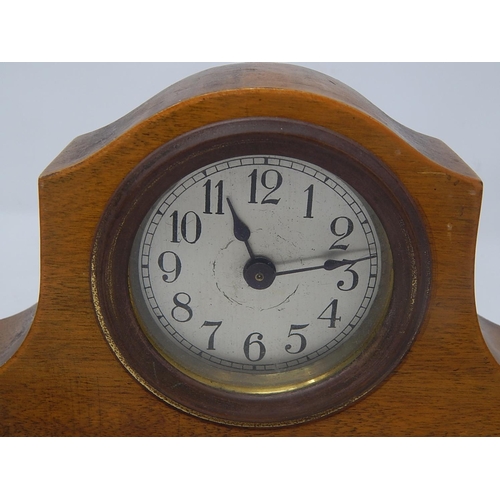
(211, 339)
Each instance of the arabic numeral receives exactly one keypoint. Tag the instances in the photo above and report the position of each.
(182, 312)
(174, 266)
(211, 339)
(219, 187)
(253, 348)
(303, 341)
(331, 316)
(270, 180)
(190, 232)
(343, 227)
(310, 194)
(355, 280)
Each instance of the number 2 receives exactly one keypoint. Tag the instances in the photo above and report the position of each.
(342, 232)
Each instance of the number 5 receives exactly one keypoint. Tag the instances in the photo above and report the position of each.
(303, 341)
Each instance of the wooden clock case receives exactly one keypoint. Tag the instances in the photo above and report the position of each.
(58, 375)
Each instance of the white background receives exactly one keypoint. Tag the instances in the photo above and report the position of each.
(42, 109)
(44, 106)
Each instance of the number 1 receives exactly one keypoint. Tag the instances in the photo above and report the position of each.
(310, 193)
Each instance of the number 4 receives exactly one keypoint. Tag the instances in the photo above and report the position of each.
(332, 316)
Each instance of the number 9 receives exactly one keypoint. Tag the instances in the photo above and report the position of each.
(176, 270)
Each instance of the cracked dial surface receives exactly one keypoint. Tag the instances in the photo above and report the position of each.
(259, 265)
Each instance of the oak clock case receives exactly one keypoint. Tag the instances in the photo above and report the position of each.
(260, 272)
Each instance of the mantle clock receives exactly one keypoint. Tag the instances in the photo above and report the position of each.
(257, 250)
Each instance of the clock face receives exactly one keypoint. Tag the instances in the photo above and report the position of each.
(260, 272)
(259, 264)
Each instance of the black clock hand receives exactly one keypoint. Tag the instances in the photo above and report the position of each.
(328, 265)
(240, 229)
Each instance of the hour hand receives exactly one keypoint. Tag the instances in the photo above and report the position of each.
(240, 229)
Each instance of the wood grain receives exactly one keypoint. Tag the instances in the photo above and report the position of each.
(64, 379)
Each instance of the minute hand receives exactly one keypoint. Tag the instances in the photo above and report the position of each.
(329, 265)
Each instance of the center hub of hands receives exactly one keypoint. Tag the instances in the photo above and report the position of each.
(259, 273)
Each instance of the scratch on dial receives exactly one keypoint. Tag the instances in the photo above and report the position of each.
(227, 297)
(283, 301)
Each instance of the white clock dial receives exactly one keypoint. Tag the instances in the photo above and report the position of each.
(259, 264)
